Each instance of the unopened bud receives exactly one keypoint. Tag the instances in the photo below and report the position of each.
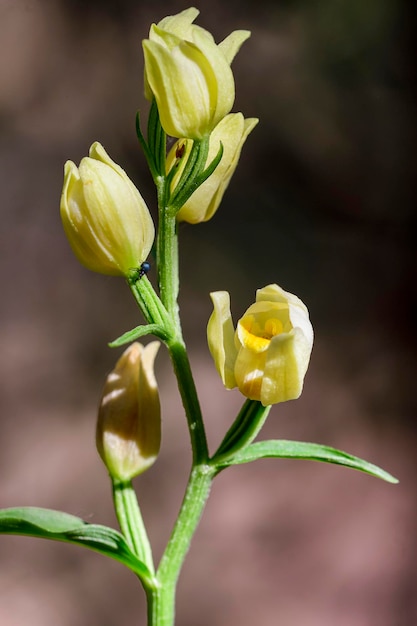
(129, 419)
(105, 218)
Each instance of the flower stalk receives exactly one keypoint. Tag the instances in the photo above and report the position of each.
(131, 522)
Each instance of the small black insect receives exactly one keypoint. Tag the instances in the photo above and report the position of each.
(137, 273)
(144, 269)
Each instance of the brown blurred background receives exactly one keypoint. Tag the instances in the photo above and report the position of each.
(323, 204)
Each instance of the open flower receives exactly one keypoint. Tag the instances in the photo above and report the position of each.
(106, 220)
(231, 132)
(267, 355)
(189, 75)
(129, 419)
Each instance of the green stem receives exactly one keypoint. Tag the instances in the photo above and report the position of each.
(131, 522)
(188, 392)
(164, 312)
(167, 252)
(155, 312)
(161, 600)
(167, 259)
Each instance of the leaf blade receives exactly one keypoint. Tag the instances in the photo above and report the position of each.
(284, 449)
(137, 333)
(59, 526)
(243, 431)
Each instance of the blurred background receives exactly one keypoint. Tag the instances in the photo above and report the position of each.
(323, 204)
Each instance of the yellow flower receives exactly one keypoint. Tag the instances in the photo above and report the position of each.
(268, 354)
(106, 220)
(129, 419)
(189, 75)
(232, 132)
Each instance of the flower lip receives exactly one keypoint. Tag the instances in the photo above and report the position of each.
(262, 322)
(257, 334)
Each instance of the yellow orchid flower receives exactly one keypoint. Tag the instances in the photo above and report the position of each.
(267, 355)
(231, 132)
(189, 75)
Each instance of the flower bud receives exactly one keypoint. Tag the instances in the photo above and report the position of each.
(189, 75)
(231, 132)
(106, 220)
(268, 354)
(128, 433)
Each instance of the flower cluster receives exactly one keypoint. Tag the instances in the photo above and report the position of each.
(110, 229)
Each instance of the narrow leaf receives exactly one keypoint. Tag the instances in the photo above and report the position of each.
(244, 429)
(59, 526)
(211, 167)
(191, 169)
(181, 196)
(147, 152)
(156, 139)
(309, 451)
(136, 333)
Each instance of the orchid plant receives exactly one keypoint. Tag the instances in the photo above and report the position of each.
(190, 85)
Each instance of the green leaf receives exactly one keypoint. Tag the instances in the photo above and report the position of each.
(59, 526)
(139, 331)
(244, 429)
(183, 191)
(210, 168)
(309, 451)
(147, 152)
(193, 170)
(156, 140)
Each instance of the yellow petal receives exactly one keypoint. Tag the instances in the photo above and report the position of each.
(220, 336)
(180, 81)
(180, 23)
(249, 372)
(231, 45)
